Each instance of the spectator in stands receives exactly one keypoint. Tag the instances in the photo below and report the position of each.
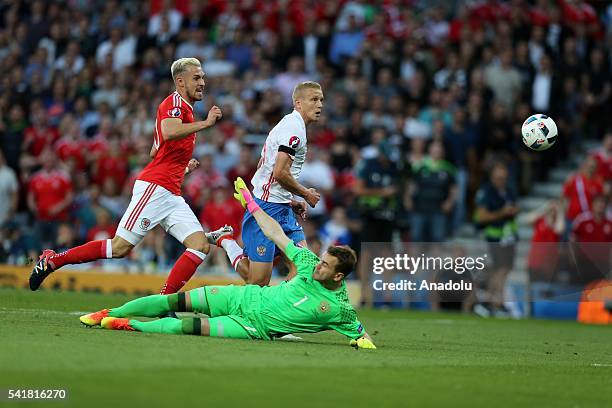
(286, 81)
(496, 210)
(603, 158)
(461, 141)
(431, 196)
(593, 225)
(548, 227)
(197, 46)
(599, 92)
(8, 191)
(168, 13)
(504, 80)
(317, 173)
(40, 136)
(18, 245)
(376, 194)
(222, 209)
(580, 188)
(103, 229)
(66, 237)
(49, 197)
(590, 237)
(544, 86)
(347, 41)
(336, 231)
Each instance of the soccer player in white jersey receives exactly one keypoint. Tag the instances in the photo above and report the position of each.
(275, 186)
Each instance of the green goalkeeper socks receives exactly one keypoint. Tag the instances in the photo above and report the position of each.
(168, 325)
(149, 306)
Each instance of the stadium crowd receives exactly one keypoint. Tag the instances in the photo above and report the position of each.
(422, 99)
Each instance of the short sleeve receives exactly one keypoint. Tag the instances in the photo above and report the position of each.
(290, 141)
(172, 109)
(304, 259)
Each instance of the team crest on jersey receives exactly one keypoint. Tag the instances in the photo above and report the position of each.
(294, 142)
(214, 291)
(145, 223)
(175, 112)
(261, 250)
(324, 306)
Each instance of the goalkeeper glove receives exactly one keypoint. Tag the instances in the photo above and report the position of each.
(362, 343)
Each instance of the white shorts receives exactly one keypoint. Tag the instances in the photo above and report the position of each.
(152, 204)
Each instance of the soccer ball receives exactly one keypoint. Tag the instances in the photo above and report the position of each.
(539, 132)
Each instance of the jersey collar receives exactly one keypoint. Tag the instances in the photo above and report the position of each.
(184, 100)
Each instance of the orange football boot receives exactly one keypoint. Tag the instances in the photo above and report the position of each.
(94, 319)
(116, 323)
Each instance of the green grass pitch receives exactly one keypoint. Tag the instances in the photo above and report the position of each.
(423, 359)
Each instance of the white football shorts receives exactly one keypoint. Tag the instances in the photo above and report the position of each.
(152, 204)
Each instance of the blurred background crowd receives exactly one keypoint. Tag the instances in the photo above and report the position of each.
(424, 101)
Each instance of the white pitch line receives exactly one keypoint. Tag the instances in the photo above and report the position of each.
(601, 365)
(47, 311)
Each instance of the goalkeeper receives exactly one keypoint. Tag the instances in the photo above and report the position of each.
(314, 300)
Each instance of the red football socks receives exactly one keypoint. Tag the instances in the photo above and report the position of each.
(88, 252)
(183, 270)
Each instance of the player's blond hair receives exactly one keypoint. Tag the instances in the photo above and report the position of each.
(180, 65)
(299, 88)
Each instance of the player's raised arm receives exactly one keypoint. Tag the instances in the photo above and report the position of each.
(282, 174)
(175, 129)
(269, 226)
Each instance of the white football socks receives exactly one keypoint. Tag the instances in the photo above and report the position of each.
(233, 250)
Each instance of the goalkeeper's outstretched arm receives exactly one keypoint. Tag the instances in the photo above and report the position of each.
(268, 225)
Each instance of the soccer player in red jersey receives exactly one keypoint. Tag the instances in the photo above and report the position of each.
(156, 196)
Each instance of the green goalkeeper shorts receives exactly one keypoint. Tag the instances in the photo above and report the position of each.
(222, 302)
(216, 300)
(228, 327)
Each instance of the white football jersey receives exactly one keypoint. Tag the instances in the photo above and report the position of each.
(288, 136)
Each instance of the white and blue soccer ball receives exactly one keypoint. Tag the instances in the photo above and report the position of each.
(539, 132)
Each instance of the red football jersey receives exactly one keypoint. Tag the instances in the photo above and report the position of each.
(67, 149)
(586, 229)
(38, 139)
(544, 251)
(49, 189)
(116, 168)
(168, 167)
(580, 190)
(604, 165)
(215, 215)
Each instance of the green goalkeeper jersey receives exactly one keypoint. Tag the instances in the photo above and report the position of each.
(301, 304)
